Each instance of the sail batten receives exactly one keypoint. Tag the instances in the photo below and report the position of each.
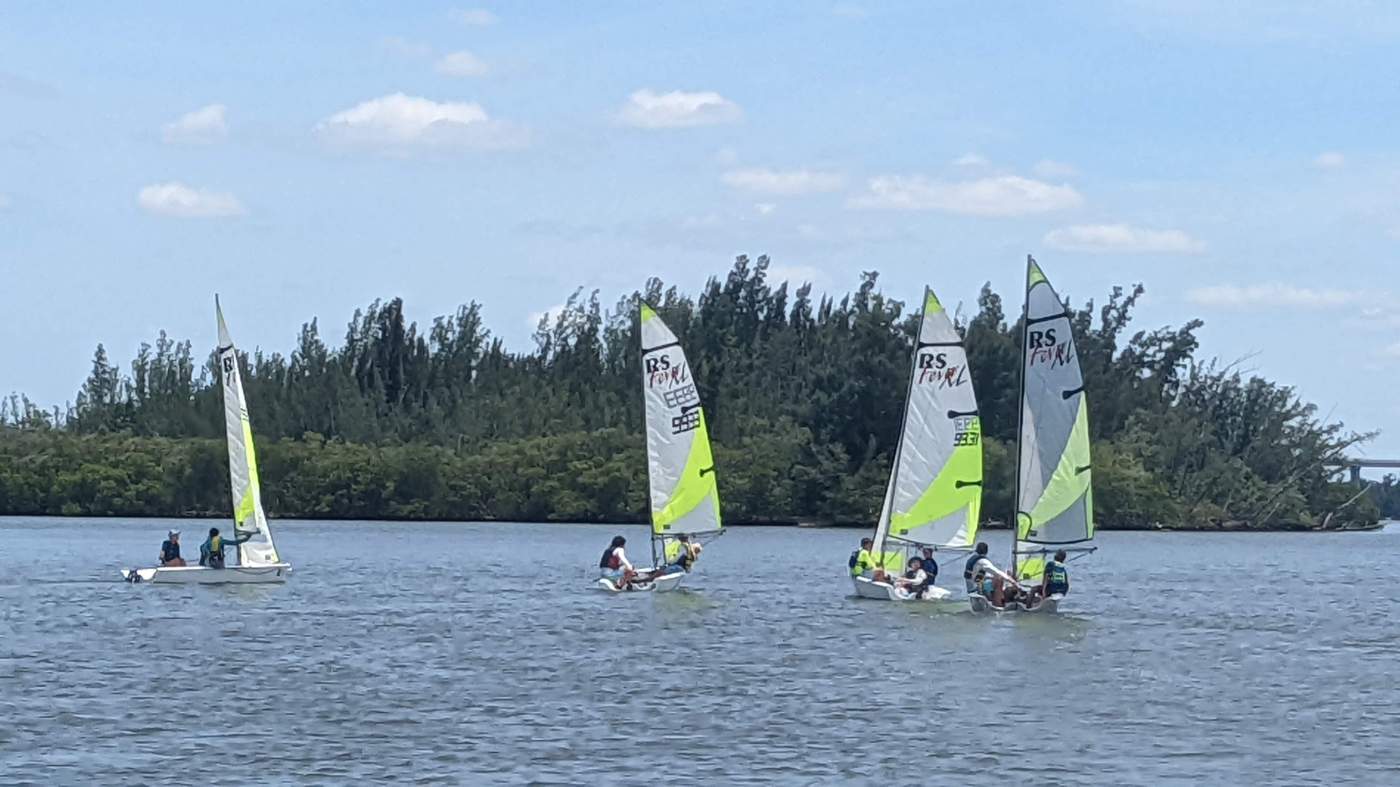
(1054, 482)
(248, 515)
(683, 493)
(934, 497)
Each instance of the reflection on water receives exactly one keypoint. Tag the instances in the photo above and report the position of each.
(483, 652)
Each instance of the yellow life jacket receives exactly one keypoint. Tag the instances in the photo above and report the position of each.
(864, 562)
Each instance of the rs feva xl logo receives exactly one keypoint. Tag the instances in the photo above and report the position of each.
(933, 368)
(1043, 347)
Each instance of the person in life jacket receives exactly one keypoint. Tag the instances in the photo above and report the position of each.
(1055, 580)
(211, 552)
(915, 580)
(682, 552)
(930, 565)
(170, 550)
(614, 566)
(977, 563)
(861, 561)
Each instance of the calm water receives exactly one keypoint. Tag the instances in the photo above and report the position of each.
(451, 653)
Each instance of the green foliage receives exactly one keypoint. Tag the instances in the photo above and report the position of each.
(803, 398)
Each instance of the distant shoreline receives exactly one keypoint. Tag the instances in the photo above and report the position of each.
(1230, 527)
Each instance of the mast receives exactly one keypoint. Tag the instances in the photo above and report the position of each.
(888, 513)
(651, 513)
(1020, 415)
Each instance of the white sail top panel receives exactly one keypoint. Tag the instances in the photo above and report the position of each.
(1055, 500)
(680, 464)
(248, 516)
(937, 489)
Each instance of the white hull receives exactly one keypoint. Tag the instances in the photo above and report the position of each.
(661, 584)
(203, 575)
(884, 591)
(1047, 606)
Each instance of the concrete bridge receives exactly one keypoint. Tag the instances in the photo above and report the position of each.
(1355, 466)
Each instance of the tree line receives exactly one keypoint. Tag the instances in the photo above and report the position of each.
(803, 395)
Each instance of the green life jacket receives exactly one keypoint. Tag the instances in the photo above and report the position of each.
(1057, 577)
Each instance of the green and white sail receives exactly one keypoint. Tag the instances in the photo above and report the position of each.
(680, 465)
(935, 492)
(249, 518)
(1054, 485)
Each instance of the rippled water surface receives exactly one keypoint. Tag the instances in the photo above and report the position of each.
(474, 653)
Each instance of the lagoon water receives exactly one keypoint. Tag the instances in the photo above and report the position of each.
(480, 653)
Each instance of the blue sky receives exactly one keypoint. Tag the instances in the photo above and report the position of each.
(302, 159)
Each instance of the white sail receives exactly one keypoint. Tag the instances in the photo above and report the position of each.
(680, 465)
(1054, 489)
(248, 516)
(936, 495)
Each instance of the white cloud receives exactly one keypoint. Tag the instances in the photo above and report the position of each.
(678, 109)
(787, 183)
(1330, 159)
(1391, 350)
(1046, 168)
(1003, 195)
(474, 17)
(203, 126)
(461, 64)
(1275, 294)
(1122, 238)
(763, 208)
(400, 123)
(970, 160)
(179, 200)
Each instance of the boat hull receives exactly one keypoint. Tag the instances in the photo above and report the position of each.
(884, 591)
(662, 584)
(1049, 605)
(203, 575)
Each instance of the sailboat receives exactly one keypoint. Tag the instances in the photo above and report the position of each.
(258, 561)
(1054, 477)
(683, 496)
(934, 495)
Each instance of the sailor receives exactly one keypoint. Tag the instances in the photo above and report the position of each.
(861, 561)
(977, 563)
(170, 550)
(682, 552)
(614, 565)
(211, 552)
(1055, 580)
(915, 580)
(930, 565)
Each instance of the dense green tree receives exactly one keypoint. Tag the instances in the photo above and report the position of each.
(803, 396)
